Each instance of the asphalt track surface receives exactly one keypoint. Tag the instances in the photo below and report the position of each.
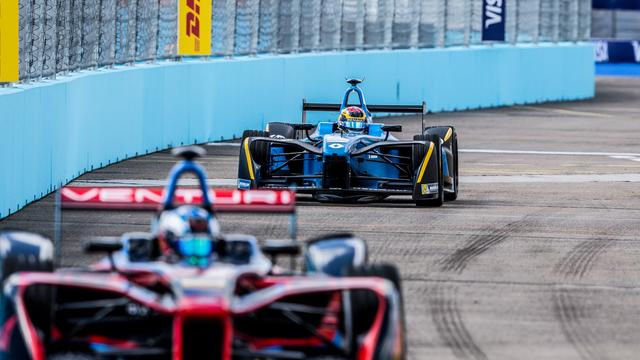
(538, 259)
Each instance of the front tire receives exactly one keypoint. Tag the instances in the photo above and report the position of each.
(436, 202)
(454, 150)
(284, 130)
(27, 252)
(364, 304)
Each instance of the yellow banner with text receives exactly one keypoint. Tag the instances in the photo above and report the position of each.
(8, 41)
(194, 27)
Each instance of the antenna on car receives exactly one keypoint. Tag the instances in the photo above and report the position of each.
(354, 81)
(189, 153)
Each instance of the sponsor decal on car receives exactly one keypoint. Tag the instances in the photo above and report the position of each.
(426, 189)
(333, 139)
(336, 146)
(244, 184)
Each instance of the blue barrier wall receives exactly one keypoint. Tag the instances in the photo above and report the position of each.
(54, 131)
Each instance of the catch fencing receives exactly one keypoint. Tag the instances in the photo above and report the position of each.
(61, 36)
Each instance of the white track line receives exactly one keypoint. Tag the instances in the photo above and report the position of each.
(576, 178)
(474, 179)
(236, 144)
(535, 152)
(565, 111)
(135, 182)
(627, 156)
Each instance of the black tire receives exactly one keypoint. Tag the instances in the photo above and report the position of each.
(454, 149)
(72, 356)
(27, 256)
(364, 303)
(259, 149)
(419, 151)
(254, 133)
(281, 129)
(437, 202)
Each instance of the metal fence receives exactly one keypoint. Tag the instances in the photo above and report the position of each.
(616, 24)
(60, 36)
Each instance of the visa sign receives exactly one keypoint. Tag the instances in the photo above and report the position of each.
(493, 20)
(194, 27)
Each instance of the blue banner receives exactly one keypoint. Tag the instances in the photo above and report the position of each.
(493, 19)
(617, 4)
(617, 51)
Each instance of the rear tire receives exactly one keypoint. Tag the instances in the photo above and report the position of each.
(259, 149)
(281, 129)
(437, 202)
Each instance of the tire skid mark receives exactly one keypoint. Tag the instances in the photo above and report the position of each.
(572, 318)
(567, 307)
(446, 316)
(443, 303)
(581, 258)
(478, 244)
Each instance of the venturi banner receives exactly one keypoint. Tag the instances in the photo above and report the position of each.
(493, 19)
(194, 27)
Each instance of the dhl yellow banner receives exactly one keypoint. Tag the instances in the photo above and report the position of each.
(194, 27)
(8, 40)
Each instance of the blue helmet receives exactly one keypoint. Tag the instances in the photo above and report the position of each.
(188, 232)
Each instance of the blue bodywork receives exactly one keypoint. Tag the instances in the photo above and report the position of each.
(335, 163)
(179, 169)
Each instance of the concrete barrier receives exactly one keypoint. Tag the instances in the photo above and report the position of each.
(54, 131)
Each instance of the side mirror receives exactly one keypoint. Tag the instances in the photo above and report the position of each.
(140, 246)
(305, 127)
(103, 245)
(334, 254)
(392, 128)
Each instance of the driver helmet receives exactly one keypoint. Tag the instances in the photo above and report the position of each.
(352, 118)
(187, 233)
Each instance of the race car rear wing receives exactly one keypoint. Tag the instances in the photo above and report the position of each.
(153, 199)
(392, 109)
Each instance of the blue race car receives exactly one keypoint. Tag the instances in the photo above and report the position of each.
(352, 159)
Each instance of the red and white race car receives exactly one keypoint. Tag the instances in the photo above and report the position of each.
(240, 305)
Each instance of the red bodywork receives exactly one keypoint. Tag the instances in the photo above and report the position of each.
(220, 303)
(223, 307)
(149, 198)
